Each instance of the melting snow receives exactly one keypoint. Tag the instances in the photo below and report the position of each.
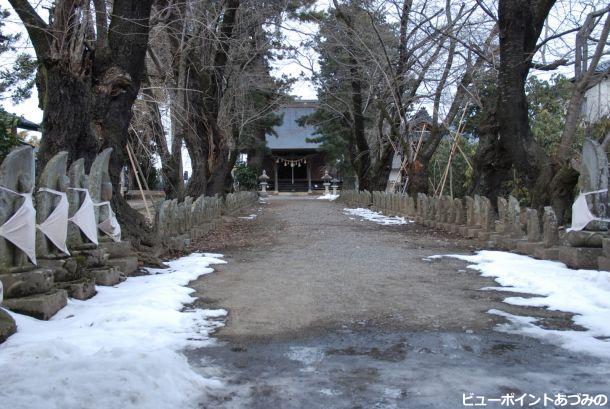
(376, 217)
(585, 293)
(120, 349)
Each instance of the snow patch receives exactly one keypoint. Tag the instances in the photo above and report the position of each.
(585, 293)
(120, 349)
(377, 217)
(328, 197)
(249, 217)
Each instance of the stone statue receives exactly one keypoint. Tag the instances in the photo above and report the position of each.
(53, 177)
(16, 174)
(78, 180)
(100, 186)
(594, 177)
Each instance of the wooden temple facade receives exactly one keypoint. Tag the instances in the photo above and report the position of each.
(295, 164)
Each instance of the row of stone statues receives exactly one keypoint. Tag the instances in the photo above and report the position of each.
(511, 227)
(585, 244)
(58, 233)
(178, 223)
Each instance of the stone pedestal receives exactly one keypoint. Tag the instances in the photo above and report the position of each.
(580, 257)
(41, 306)
(107, 276)
(7, 326)
(121, 256)
(529, 248)
(27, 283)
(547, 253)
(603, 263)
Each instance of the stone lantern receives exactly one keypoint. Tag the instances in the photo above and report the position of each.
(335, 185)
(326, 178)
(263, 182)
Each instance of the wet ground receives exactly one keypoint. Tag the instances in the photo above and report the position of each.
(364, 368)
(327, 311)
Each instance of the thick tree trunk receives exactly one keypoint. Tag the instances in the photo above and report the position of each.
(66, 125)
(119, 70)
(379, 174)
(218, 160)
(417, 174)
(362, 160)
(520, 23)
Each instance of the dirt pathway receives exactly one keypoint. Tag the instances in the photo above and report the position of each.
(329, 311)
(307, 267)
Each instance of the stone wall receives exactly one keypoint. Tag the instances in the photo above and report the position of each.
(179, 223)
(508, 226)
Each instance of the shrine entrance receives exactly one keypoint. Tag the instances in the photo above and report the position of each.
(292, 176)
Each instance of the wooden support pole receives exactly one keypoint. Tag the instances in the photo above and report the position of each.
(135, 171)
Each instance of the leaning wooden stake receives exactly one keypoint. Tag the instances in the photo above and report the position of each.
(135, 171)
(454, 146)
(133, 153)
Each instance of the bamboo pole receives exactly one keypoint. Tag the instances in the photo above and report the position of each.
(135, 171)
(456, 144)
(133, 153)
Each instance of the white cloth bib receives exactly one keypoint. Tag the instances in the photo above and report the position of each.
(581, 215)
(55, 227)
(20, 229)
(84, 217)
(111, 225)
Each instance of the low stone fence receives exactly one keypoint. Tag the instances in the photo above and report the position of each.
(178, 223)
(512, 227)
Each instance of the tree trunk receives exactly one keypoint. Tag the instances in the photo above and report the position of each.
(119, 70)
(381, 169)
(520, 23)
(233, 154)
(66, 125)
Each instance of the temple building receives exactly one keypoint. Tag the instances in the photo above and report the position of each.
(294, 164)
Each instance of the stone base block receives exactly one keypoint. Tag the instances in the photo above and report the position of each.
(7, 326)
(508, 243)
(82, 289)
(126, 265)
(65, 269)
(483, 235)
(105, 276)
(455, 228)
(551, 253)
(118, 249)
(580, 257)
(529, 248)
(473, 233)
(463, 230)
(27, 283)
(41, 306)
(603, 263)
